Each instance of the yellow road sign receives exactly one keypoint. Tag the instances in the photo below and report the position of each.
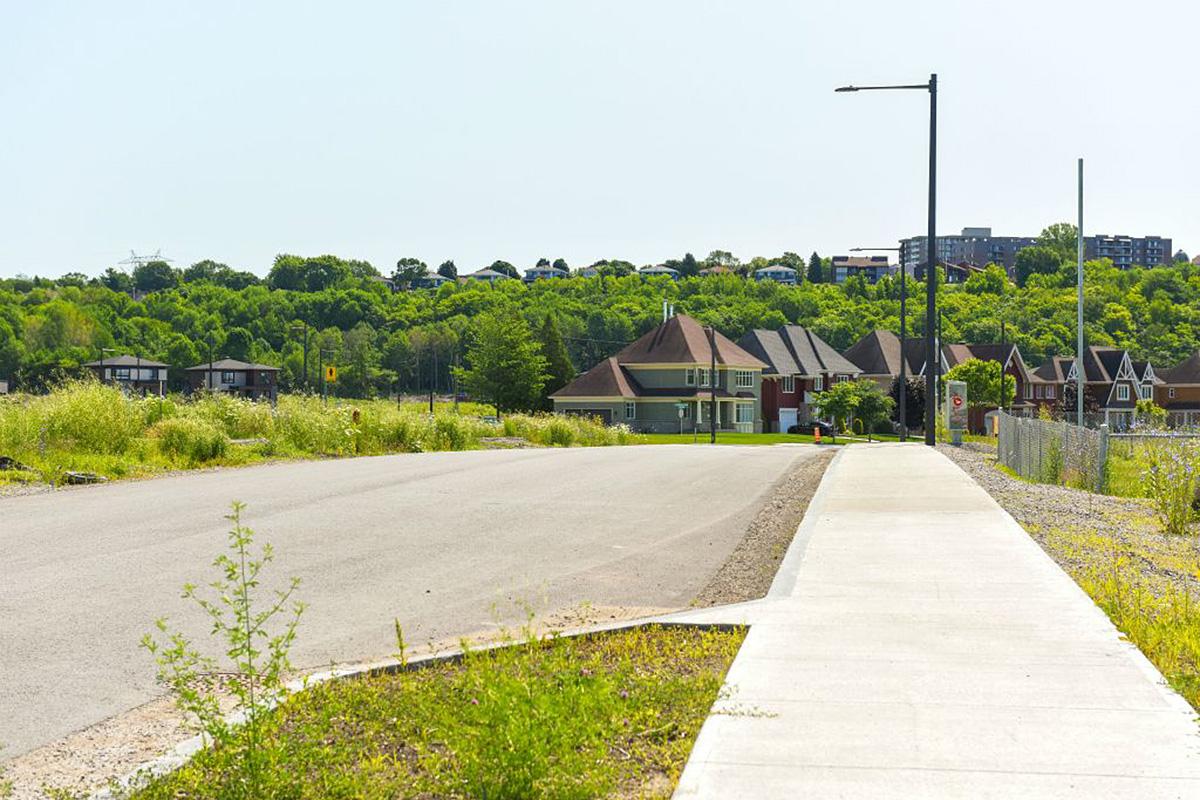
(331, 374)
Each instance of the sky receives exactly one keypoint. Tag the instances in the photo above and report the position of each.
(475, 131)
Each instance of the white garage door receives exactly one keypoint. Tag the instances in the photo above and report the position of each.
(787, 418)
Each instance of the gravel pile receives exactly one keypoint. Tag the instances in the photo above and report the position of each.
(748, 572)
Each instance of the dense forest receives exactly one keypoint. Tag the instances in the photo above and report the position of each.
(386, 341)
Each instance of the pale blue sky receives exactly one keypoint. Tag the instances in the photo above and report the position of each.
(639, 130)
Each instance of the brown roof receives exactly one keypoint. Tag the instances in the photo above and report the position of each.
(606, 379)
(876, 353)
(1054, 369)
(682, 340)
(1186, 371)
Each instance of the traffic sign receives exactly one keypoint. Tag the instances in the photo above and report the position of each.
(331, 374)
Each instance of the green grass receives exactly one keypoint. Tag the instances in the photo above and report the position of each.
(88, 427)
(612, 715)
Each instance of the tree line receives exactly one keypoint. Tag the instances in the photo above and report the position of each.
(386, 342)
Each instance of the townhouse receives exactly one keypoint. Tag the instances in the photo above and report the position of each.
(800, 364)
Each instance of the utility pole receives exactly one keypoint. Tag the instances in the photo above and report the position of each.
(454, 379)
(712, 384)
(1079, 377)
(432, 378)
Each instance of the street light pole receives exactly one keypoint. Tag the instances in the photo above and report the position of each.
(931, 252)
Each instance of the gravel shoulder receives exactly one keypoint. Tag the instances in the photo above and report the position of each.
(748, 572)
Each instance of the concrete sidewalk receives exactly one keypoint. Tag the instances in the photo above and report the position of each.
(918, 644)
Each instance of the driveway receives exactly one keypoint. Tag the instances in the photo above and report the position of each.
(437, 540)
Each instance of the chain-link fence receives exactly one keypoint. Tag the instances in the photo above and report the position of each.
(1053, 452)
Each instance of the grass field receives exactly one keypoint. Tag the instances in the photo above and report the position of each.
(613, 716)
(89, 427)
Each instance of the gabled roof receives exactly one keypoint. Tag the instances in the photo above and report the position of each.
(1054, 369)
(1186, 371)
(794, 350)
(1144, 371)
(682, 340)
(486, 274)
(658, 269)
(1006, 354)
(876, 353)
(126, 361)
(717, 270)
(606, 379)
(230, 364)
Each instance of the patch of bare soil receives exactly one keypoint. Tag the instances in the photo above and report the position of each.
(750, 569)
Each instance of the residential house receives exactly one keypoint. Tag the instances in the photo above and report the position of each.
(489, 276)
(134, 374)
(252, 381)
(659, 271)
(717, 270)
(871, 268)
(778, 273)
(799, 365)
(1179, 392)
(543, 272)
(664, 383)
(430, 280)
(877, 355)
(1110, 381)
(1049, 383)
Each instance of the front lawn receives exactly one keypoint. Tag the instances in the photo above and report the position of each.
(611, 715)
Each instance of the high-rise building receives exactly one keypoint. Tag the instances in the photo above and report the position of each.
(978, 247)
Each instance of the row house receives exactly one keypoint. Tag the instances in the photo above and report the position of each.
(1112, 384)
(799, 365)
(1179, 392)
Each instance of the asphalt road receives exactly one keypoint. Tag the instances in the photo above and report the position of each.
(436, 540)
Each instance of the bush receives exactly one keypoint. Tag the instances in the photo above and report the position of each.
(87, 415)
(193, 440)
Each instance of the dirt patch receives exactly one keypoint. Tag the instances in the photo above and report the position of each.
(748, 572)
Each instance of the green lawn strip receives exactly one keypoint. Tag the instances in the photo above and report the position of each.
(725, 437)
(610, 715)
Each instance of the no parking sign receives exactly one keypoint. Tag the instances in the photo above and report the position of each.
(956, 405)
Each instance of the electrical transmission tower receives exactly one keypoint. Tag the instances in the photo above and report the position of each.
(134, 261)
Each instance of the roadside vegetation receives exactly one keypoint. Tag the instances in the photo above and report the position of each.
(607, 715)
(84, 426)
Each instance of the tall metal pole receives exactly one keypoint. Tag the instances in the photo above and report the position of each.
(931, 361)
(903, 336)
(1079, 377)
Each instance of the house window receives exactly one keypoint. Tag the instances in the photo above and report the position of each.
(1147, 391)
(1123, 391)
(689, 377)
(789, 383)
(1028, 393)
(1171, 393)
(841, 378)
(227, 377)
(743, 378)
(745, 413)
(1050, 392)
(701, 376)
(121, 373)
(631, 411)
(819, 383)
(1037, 392)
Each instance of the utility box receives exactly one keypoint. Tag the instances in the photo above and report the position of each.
(956, 410)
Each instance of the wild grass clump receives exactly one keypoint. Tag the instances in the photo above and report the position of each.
(566, 430)
(544, 717)
(191, 439)
(240, 419)
(86, 415)
(1172, 477)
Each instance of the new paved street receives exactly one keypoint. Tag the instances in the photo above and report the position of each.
(433, 539)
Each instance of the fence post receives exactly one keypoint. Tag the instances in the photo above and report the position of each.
(1101, 458)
